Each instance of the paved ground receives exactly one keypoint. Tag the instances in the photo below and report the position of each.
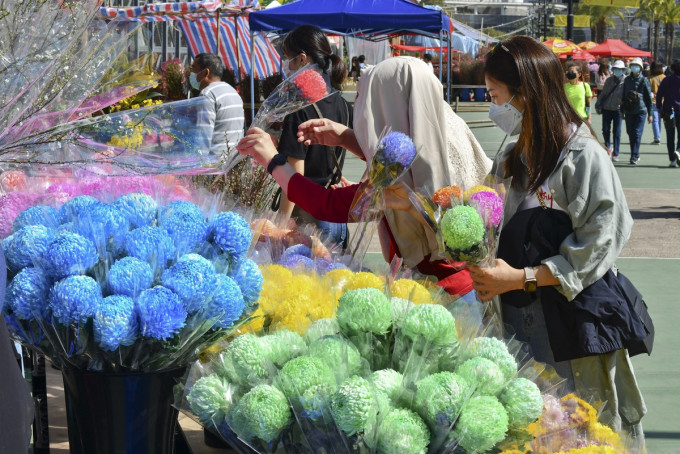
(651, 260)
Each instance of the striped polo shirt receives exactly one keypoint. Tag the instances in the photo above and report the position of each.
(225, 112)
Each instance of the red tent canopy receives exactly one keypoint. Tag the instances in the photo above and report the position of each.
(579, 55)
(617, 48)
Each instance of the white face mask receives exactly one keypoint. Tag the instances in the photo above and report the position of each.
(506, 117)
(285, 67)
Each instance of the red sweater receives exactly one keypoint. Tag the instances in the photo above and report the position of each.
(333, 205)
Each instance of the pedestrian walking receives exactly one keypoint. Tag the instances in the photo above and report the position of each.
(636, 105)
(608, 104)
(656, 75)
(668, 104)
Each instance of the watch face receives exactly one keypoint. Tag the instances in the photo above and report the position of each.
(530, 286)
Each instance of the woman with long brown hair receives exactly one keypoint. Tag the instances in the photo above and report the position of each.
(566, 223)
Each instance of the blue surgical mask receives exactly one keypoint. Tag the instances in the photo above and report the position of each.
(635, 69)
(506, 117)
(618, 72)
(193, 81)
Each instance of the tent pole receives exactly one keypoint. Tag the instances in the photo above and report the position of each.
(217, 40)
(252, 75)
(441, 54)
(448, 68)
(238, 56)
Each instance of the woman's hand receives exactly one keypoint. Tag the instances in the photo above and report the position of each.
(495, 280)
(321, 131)
(343, 183)
(259, 145)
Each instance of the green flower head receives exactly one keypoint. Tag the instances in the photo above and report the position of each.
(322, 327)
(244, 361)
(364, 310)
(400, 308)
(462, 228)
(439, 398)
(302, 373)
(484, 375)
(283, 346)
(316, 401)
(390, 382)
(338, 353)
(403, 432)
(354, 405)
(523, 401)
(210, 399)
(431, 323)
(482, 424)
(262, 413)
(495, 350)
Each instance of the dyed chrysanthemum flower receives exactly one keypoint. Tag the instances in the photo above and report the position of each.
(193, 278)
(316, 401)
(486, 377)
(430, 323)
(249, 279)
(72, 209)
(243, 362)
(390, 382)
(364, 279)
(284, 345)
(478, 188)
(37, 215)
(311, 84)
(297, 262)
(26, 247)
(74, 299)
(101, 223)
(261, 413)
(210, 399)
(482, 424)
(322, 327)
(523, 401)
(323, 266)
(439, 398)
(185, 224)
(400, 308)
(231, 233)
(398, 149)
(338, 353)
(129, 276)
(410, 290)
(27, 294)
(403, 432)
(297, 249)
(339, 277)
(115, 322)
(140, 209)
(442, 196)
(353, 404)
(276, 273)
(69, 254)
(364, 310)
(462, 228)
(11, 204)
(150, 244)
(227, 302)
(494, 350)
(490, 205)
(301, 373)
(161, 313)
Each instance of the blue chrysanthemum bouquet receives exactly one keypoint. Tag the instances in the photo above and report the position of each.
(128, 285)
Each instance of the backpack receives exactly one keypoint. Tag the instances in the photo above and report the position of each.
(632, 98)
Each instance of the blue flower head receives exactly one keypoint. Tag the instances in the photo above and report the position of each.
(323, 266)
(139, 208)
(73, 208)
(398, 149)
(115, 322)
(297, 261)
(74, 299)
(249, 279)
(27, 294)
(161, 313)
(101, 223)
(69, 254)
(150, 244)
(130, 276)
(231, 233)
(298, 249)
(185, 224)
(227, 302)
(193, 278)
(27, 246)
(37, 215)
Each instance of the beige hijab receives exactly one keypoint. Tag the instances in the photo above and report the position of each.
(404, 94)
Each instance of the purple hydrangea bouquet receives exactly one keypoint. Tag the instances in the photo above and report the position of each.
(129, 285)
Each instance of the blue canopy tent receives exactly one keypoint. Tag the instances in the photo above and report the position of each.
(369, 19)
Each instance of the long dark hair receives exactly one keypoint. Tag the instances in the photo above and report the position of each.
(534, 74)
(312, 41)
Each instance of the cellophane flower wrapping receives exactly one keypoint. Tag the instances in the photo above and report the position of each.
(393, 157)
(127, 281)
(303, 88)
(389, 371)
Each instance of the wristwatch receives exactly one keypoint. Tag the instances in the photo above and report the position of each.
(530, 283)
(277, 160)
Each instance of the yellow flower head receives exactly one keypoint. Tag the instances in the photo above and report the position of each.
(410, 290)
(276, 274)
(338, 278)
(301, 284)
(255, 325)
(364, 279)
(478, 188)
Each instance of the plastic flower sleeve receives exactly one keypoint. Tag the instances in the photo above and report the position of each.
(304, 87)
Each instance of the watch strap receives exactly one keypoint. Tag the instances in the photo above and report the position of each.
(530, 282)
(277, 160)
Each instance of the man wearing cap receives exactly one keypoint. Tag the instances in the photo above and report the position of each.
(608, 104)
(636, 104)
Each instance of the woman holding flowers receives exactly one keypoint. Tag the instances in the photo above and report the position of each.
(566, 194)
(403, 94)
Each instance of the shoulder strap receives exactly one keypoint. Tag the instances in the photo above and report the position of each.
(336, 173)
